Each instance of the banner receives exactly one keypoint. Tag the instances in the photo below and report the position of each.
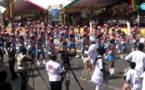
(133, 4)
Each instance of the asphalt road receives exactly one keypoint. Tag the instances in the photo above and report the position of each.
(114, 83)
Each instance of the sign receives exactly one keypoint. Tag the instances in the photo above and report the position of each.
(142, 6)
(55, 14)
(60, 6)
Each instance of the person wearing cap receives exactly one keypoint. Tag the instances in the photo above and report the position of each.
(32, 43)
(85, 41)
(111, 54)
(13, 40)
(92, 51)
(72, 41)
(21, 42)
(61, 38)
(51, 46)
(7, 40)
(27, 36)
(40, 50)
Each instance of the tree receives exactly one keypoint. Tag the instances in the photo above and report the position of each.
(121, 10)
(92, 13)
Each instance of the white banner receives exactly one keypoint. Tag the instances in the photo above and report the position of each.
(47, 4)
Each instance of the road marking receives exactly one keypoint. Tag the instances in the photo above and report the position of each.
(111, 87)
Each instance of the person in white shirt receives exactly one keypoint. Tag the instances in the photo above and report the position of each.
(98, 74)
(143, 81)
(92, 51)
(138, 57)
(54, 72)
(133, 77)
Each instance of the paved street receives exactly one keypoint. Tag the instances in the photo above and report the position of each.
(114, 83)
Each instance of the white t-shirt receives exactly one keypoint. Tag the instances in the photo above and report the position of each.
(97, 76)
(139, 58)
(133, 76)
(143, 81)
(92, 52)
(53, 69)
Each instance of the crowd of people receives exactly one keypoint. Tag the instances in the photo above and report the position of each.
(97, 45)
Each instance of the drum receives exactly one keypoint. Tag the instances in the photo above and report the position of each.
(90, 66)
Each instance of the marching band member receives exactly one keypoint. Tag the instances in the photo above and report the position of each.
(27, 36)
(32, 43)
(111, 54)
(134, 43)
(85, 41)
(13, 40)
(51, 46)
(21, 43)
(71, 43)
(40, 50)
(123, 47)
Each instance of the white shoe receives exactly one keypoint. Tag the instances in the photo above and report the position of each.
(77, 56)
(121, 56)
(44, 62)
(105, 57)
(38, 62)
(82, 57)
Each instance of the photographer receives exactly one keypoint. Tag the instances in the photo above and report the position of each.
(55, 73)
(66, 55)
(11, 61)
(23, 66)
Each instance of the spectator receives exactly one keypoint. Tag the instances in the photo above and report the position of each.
(4, 85)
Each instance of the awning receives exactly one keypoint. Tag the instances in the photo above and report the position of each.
(45, 4)
(2, 9)
(82, 4)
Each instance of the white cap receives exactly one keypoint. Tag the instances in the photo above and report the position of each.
(93, 39)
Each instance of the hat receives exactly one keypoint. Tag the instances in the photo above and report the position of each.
(93, 39)
(111, 37)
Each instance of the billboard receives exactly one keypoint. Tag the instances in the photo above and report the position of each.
(56, 15)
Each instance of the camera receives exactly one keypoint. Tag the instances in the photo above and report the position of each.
(66, 57)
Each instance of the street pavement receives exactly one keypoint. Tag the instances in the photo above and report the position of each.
(36, 82)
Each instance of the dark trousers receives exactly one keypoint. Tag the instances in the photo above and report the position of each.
(12, 70)
(56, 85)
(23, 75)
(1, 58)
